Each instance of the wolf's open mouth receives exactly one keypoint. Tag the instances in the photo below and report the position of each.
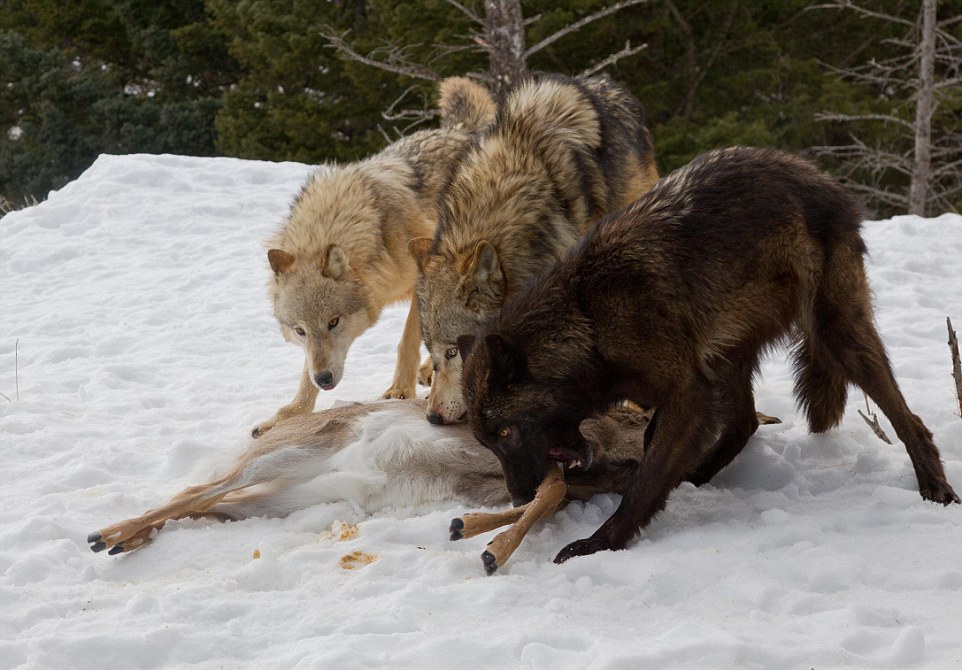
(569, 458)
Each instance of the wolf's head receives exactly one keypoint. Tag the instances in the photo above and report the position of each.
(527, 422)
(456, 294)
(322, 307)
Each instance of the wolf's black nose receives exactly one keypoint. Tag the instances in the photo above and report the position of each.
(435, 418)
(324, 379)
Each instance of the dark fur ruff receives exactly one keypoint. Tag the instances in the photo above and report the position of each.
(670, 303)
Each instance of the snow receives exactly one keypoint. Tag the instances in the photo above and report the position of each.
(135, 320)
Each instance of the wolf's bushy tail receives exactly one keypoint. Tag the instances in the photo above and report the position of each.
(465, 104)
(543, 112)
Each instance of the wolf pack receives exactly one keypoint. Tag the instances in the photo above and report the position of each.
(582, 317)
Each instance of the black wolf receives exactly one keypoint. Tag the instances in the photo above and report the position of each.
(669, 303)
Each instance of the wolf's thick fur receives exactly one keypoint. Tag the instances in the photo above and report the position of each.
(561, 154)
(342, 254)
(669, 303)
(375, 455)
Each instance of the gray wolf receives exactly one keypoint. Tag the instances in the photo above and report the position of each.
(377, 455)
(561, 153)
(669, 303)
(342, 254)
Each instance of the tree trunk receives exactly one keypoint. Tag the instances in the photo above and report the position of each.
(924, 108)
(504, 37)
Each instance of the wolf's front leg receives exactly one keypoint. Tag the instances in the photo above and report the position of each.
(408, 358)
(303, 403)
(679, 440)
(426, 372)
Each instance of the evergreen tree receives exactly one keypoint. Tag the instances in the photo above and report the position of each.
(96, 76)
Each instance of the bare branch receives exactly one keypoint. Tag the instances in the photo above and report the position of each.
(848, 4)
(387, 138)
(580, 23)
(946, 83)
(613, 58)
(464, 10)
(874, 193)
(416, 115)
(950, 40)
(864, 157)
(886, 118)
(953, 168)
(948, 22)
(394, 60)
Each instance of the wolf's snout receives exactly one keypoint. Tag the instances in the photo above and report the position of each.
(435, 418)
(325, 380)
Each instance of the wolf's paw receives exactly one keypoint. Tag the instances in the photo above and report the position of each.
(396, 393)
(584, 547)
(426, 372)
(940, 492)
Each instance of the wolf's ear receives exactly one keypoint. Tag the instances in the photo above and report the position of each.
(483, 275)
(280, 261)
(420, 248)
(507, 363)
(465, 345)
(336, 264)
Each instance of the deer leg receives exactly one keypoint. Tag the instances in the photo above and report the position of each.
(474, 523)
(550, 493)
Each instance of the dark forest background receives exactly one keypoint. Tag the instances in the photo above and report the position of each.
(261, 79)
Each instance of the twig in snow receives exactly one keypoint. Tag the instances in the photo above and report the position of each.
(956, 364)
(16, 371)
(873, 423)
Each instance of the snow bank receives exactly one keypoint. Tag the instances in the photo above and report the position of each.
(147, 351)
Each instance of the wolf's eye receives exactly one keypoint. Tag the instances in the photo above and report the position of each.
(504, 432)
(333, 323)
(299, 331)
(451, 353)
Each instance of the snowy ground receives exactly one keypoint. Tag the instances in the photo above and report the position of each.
(147, 351)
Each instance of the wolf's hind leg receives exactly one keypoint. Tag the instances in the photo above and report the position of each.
(847, 333)
(868, 366)
(736, 408)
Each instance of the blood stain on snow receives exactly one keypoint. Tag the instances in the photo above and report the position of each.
(357, 559)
